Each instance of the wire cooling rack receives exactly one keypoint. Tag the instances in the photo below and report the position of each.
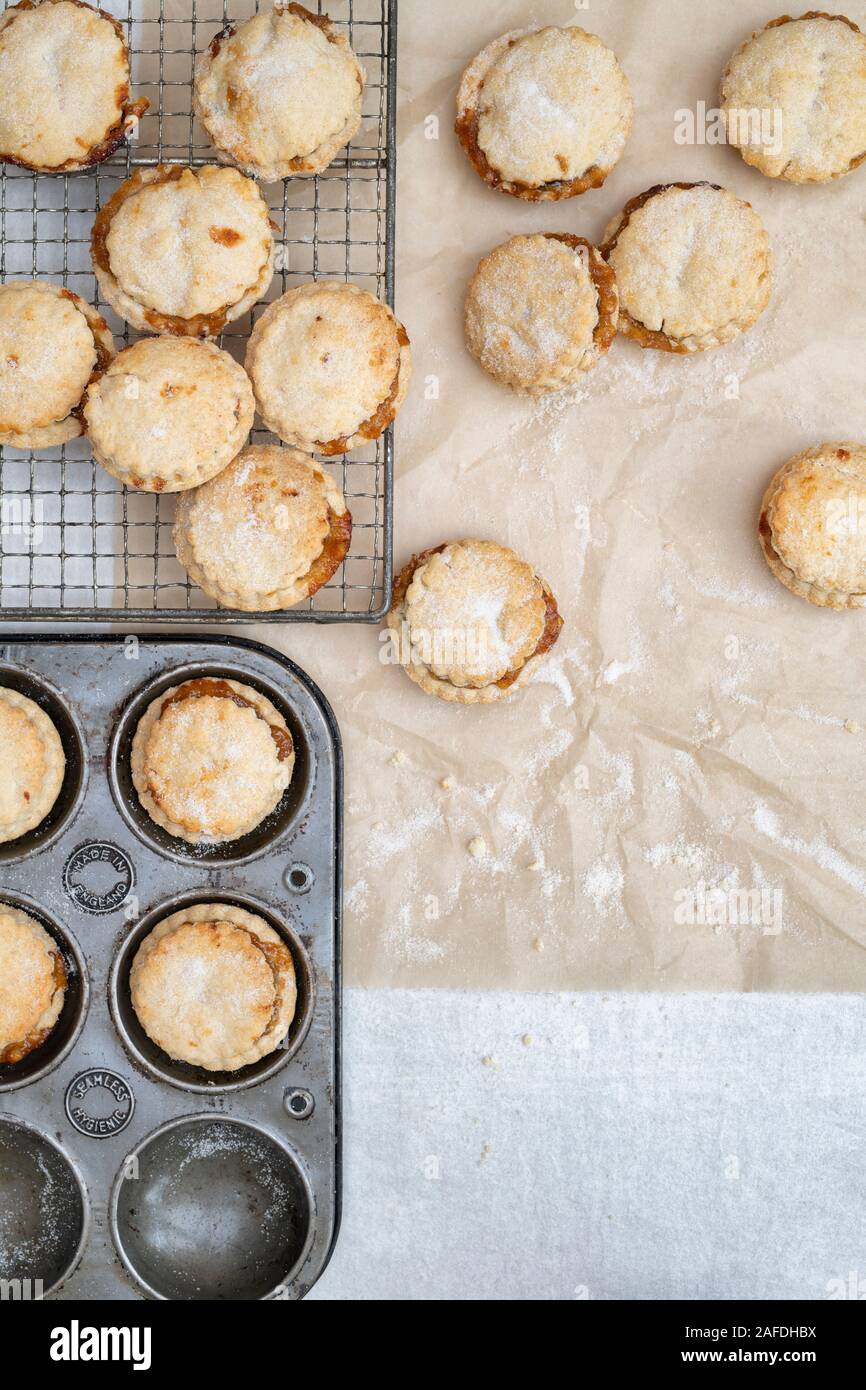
(74, 544)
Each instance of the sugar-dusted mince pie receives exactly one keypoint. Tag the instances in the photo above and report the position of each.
(544, 114)
(185, 251)
(267, 533)
(280, 94)
(33, 763)
(472, 621)
(812, 526)
(33, 983)
(51, 343)
(794, 98)
(693, 266)
(64, 85)
(330, 366)
(169, 413)
(540, 311)
(211, 759)
(214, 985)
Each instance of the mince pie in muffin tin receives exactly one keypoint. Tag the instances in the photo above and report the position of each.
(693, 266)
(540, 311)
(266, 533)
(544, 114)
(64, 85)
(476, 619)
(279, 94)
(184, 251)
(214, 985)
(51, 344)
(809, 76)
(330, 366)
(169, 413)
(33, 982)
(812, 526)
(211, 758)
(33, 763)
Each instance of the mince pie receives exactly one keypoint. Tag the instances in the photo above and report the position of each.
(33, 983)
(812, 526)
(472, 621)
(211, 759)
(64, 85)
(184, 251)
(280, 94)
(33, 763)
(330, 366)
(267, 533)
(540, 311)
(214, 985)
(692, 265)
(544, 114)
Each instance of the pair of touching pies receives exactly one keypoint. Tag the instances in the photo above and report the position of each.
(33, 974)
(278, 95)
(213, 985)
(683, 268)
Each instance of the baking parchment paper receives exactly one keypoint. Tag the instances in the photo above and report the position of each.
(696, 744)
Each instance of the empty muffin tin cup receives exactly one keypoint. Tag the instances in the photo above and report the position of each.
(151, 1058)
(75, 776)
(65, 1033)
(213, 1209)
(274, 827)
(44, 1212)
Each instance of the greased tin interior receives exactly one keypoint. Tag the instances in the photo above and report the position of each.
(124, 1174)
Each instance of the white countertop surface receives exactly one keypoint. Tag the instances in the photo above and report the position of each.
(639, 1147)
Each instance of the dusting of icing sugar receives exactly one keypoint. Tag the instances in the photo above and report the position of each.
(825, 855)
(603, 884)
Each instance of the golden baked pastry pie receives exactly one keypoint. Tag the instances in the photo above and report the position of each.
(330, 366)
(64, 85)
(545, 113)
(51, 343)
(812, 526)
(472, 621)
(214, 985)
(169, 413)
(794, 98)
(280, 94)
(267, 533)
(184, 251)
(211, 759)
(540, 311)
(33, 763)
(692, 264)
(32, 984)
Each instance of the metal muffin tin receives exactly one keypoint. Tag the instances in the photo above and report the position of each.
(122, 1172)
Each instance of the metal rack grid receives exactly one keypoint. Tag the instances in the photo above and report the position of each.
(75, 545)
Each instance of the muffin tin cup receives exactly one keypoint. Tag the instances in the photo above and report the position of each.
(44, 1211)
(274, 828)
(211, 1208)
(254, 1210)
(147, 1054)
(64, 1035)
(59, 819)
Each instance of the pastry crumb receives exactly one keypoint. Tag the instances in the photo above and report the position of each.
(538, 944)
(489, 1062)
(536, 867)
(447, 784)
(477, 847)
(378, 826)
(397, 759)
(486, 1151)
(852, 727)
(527, 1040)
